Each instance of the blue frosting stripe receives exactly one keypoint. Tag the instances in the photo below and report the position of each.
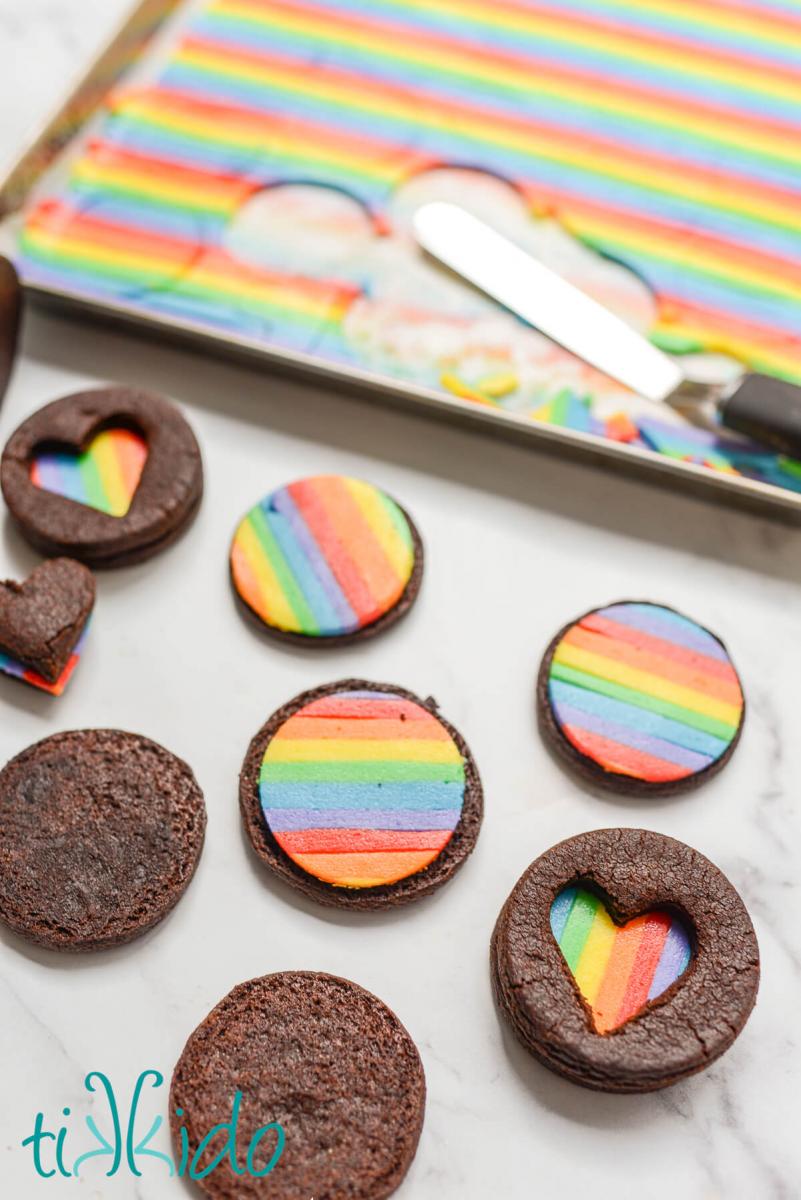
(560, 911)
(389, 796)
(595, 704)
(626, 735)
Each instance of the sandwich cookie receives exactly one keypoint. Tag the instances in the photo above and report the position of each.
(361, 795)
(326, 561)
(329, 1089)
(100, 835)
(639, 699)
(624, 961)
(110, 476)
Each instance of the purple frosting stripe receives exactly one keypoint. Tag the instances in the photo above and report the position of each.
(671, 627)
(673, 960)
(283, 503)
(284, 820)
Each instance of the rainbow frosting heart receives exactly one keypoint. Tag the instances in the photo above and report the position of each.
(104, 476)
(645, 692)
(362, 788)
(618, 969)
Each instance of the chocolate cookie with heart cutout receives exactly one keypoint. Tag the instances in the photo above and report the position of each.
(624, 960)
(10, 310)
(109, 476)
(43, 619)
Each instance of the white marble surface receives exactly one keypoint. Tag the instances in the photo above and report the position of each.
(516, 544)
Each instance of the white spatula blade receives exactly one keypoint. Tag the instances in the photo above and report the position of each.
(544, 299)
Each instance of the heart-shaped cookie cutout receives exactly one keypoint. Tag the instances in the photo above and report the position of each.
(618, 969)
(105, 475)
(42, 623)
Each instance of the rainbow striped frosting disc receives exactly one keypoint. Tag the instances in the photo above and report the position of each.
(618, 969)
(104, 476)
(326, 556)
(640, 691)
(362, 788)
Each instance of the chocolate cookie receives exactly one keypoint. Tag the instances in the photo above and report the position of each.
(10, 309)
(110, 476)
(625, 960)
(42, 622)
(361, 795)
(326, 561)
(328, 1085)
(637, 698)
(100, 834)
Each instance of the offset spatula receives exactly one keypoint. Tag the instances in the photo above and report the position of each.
(759, 406)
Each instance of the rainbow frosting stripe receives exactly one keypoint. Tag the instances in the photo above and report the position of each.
(645, 692)
(618, 969)
(323, 557)
(104, 476)
(362, 788)
(666, 134)
(17, 670)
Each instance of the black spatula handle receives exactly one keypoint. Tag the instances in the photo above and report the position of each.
(767, 410)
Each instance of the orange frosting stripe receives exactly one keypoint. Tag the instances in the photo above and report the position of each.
(365, 870)
(615, 981)
(352, 528)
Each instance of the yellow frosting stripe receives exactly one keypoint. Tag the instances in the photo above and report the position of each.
(591, 966)
(273, 599)
(107, 462)
(643, 681)
(285, 749)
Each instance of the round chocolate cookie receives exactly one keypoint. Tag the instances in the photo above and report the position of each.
(639, 699)
(100, 834)
(110, 476)
(326, 561)
(361, 795)
(330, 1091)
(625, 960)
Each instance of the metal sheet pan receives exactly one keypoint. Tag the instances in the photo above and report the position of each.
(69, 124)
